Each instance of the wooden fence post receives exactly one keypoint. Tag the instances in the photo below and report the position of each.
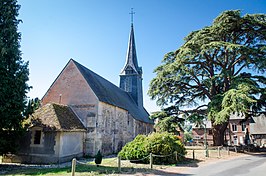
(119, 163)
(176, 156)
(228, 152)
(73, 169)
(193, 154)
(219, 152)
(151, 160)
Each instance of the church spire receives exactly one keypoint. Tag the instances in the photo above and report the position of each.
(131, 57)
(131, 64)
(131, 74)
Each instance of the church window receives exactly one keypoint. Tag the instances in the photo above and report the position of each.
(127, 119)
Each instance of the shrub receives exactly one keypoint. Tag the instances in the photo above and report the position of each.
(98, 158)
(165, 144)
(135, 149)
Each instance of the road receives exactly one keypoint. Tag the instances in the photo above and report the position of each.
(254, 165)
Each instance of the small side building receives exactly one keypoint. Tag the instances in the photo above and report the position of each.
(55, 135)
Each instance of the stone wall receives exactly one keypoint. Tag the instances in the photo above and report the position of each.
(112, 129)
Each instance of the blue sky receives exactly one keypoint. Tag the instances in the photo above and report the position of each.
(95, 33)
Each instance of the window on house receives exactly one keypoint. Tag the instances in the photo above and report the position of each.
(243, 125)
(234, 127)
(37, 137)
(196, 137)
(210, 132)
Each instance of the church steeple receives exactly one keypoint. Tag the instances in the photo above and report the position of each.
(131, 59)
(131, 64)
(131, 74)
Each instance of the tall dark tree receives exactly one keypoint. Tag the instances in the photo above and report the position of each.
(220, 69)
(13, 77)
(33, 105)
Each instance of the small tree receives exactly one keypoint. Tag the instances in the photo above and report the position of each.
(98, 158)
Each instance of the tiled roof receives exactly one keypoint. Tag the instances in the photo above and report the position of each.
(55, 117)
(113, 95)
(259, 125)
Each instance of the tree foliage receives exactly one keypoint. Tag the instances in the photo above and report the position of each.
(217, 71)
(167, 123)
(33, 104)
(13, 77)
(188, 136)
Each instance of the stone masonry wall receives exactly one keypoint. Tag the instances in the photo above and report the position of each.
(115, 127)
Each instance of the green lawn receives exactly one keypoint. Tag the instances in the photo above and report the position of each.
(108, 167)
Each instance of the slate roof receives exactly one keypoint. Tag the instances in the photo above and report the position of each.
(131, 59)
(55, 117)
(259, 125)
(111, 94)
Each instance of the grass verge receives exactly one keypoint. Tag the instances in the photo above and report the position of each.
(108, 167)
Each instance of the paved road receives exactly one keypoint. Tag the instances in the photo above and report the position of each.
(254, 165)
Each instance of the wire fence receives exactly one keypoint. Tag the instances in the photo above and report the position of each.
(119, 161)
(210, 152)
(192, 153)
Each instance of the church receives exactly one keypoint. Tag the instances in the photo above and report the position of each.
(83, 113)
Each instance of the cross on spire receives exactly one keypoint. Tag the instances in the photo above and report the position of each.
(132, 14)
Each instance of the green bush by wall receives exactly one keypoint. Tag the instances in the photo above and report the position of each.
(156, 143)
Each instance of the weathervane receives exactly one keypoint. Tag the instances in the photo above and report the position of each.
(132, 14)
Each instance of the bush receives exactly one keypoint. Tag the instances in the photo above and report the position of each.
(157, 144)
(135, 149)
(98, 158)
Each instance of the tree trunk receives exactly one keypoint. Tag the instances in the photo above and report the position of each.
(218, 134)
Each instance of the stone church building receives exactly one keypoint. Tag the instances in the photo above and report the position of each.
(111, 115)
(82, 113)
